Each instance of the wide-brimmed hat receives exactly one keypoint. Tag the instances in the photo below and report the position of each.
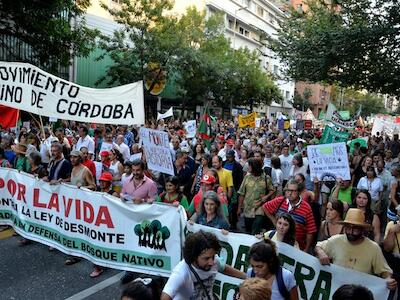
(19, 149)
(355, 216)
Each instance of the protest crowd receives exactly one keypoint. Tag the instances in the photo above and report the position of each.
(238, 179)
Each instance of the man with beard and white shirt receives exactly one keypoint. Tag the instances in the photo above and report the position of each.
(286, 163)
(194, 276)
(355, 251)
(84, 140)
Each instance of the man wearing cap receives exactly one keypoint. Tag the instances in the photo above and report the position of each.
(84, 140)
(228, 146)
(105, 160)
(81, 175)
(355, 251)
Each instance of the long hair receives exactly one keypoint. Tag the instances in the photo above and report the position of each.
(118, 155)
(338, 206)
(256, 166)
(265, 252)
(299, 159)
(290, 236)
(369, 214)
(211, 195)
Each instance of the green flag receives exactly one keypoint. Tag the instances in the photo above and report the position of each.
(205, 129)
(331, 135)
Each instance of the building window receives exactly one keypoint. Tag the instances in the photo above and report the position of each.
(260, 11)
(241, 30)
(246, 33)
(231, 24)
(276, 69)
(246, 3)
(267, 65)
(287, 96)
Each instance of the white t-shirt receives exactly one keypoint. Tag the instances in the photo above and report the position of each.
(286, 164)
(277, 177)
(45, 148)
(288, 280)
(182, 284)
(295, 170)
(373, 187)
(86, 142)
(107, 146)
(124, 149)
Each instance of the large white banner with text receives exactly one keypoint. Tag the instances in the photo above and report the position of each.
(314, 280)
(26, 87)
(96, 226)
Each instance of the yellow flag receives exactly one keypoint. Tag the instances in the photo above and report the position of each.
(248, 120)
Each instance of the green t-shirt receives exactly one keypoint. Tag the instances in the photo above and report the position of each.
(165, 198)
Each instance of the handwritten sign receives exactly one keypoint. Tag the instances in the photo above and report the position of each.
(190, 128)
(328, 161)
(157, 151)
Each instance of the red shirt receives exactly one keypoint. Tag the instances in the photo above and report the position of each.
(91, 166)
(199, 196)
(301, 213)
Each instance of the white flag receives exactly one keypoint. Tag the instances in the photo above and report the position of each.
(168, 113)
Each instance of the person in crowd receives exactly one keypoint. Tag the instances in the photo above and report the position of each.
(60, 135)
(88, 163)
(244, 156)
(237, 175)
(394, 195)
(172, 194)
(35, 161)
(199, 153)
(209, 182)
(355, 251)
(205, 165)
(7, 141)
(362, 200)
(332, 224)
(183, 172)
(81, 175)
(361, 170)
(342, 192)
(305, 194)
(59, 168)
(352, 292)
(254, 289)
(374, 186)
(276, 175)
(194, 276)
(298, 166)
(225, 176)
(4, 163)
(122, 147)
(285, 231)
(107, 143)
(228, 146)
(175, 146)
(105, 161)
(256, 189)
(388, 159)
(140, 188)
(265, 264)
(21, 162)
(211, 213)
(85, 140)
(127, 172)
(148, 288)
(45, 146)
(116, 168)
(299, 209)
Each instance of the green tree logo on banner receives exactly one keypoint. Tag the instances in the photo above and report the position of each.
(152, 234)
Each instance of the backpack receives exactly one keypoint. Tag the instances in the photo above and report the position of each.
(279, 280)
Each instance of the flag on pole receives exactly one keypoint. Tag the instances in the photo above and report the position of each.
(9, 116)
(205, 129)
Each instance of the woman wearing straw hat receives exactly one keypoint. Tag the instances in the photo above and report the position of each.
(355, 251)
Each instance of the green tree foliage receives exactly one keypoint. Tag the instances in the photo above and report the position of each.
(351, 100)
(354, 43)
(191, 47)
(302, 101)
(53, 30)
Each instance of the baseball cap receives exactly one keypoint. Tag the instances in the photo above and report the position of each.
(208, 179)
(104, 153)
(106, 176)
(230, 142)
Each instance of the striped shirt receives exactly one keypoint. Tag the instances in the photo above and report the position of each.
(301, 213)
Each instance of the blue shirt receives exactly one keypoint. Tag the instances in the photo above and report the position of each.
(217, 222)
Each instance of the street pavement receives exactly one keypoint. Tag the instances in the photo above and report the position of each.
(34, 272)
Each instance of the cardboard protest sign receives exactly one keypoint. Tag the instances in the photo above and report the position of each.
(190, 128)
(157, 150)
(26, 87)
(314, 281)
(96, 226)
(328, 161)
(248, 120)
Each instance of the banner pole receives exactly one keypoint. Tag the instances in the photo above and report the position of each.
(41, 126)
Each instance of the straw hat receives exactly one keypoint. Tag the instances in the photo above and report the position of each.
(19, 149)
(355, 216)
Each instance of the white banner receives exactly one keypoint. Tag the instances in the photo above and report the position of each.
(96, 226)
(157, 150)
(333, 115)
(167, 114)
(26, 87)
(314, 280)
(328, 161)
(190, 128)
